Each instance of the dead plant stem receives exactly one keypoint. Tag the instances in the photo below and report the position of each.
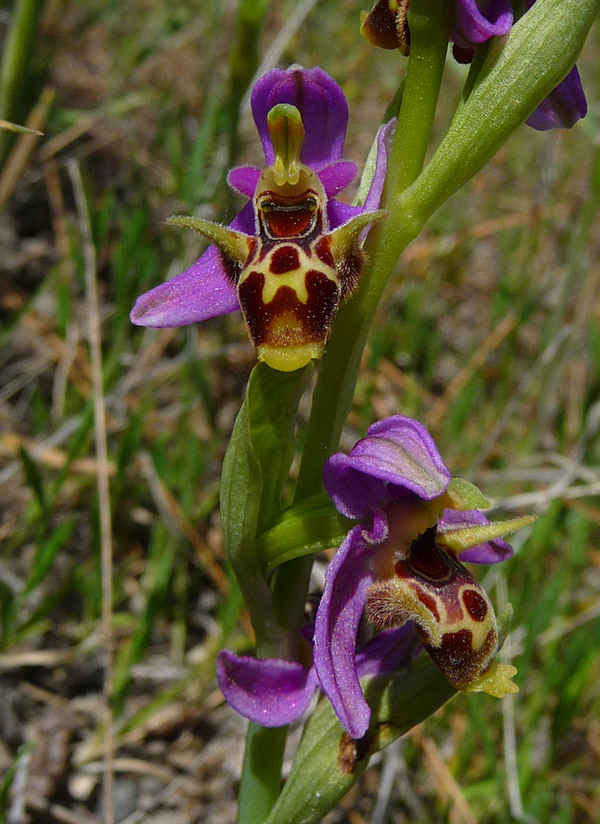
(94, 338)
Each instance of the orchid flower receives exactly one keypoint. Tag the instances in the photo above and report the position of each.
(294, 252)
(472, 23)
(401, 564)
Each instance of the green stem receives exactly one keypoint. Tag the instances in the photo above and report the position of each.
(261, 773)
(429, 22)
(339, 370)
(429, 25)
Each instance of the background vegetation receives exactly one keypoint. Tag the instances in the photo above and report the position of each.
(490, 334)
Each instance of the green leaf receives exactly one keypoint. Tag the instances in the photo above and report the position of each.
(11, 604)
(8, 778)
(46, 553)
(34, 478)
(305, 528)
(328, 762)
(261, 446)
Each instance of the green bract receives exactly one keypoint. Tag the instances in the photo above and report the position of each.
(261, 447)
(328, 762)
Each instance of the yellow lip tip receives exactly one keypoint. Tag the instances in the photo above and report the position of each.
(289, 358)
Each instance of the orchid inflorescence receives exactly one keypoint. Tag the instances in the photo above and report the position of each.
(399, 613)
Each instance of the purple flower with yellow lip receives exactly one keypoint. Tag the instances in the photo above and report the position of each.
(474, 22)
(293, 253)
(400, 566)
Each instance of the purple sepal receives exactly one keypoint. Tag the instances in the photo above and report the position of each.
(474, 22)
(244, 179)
(396, 457)
(347, 579)
(203, 291)
(321, 104)
(384, 140)
(491, 552)
(388, 651)
(563, 107)
(269, 691)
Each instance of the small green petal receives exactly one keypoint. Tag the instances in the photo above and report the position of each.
(465, 496)
(465, 537)
(236, 245)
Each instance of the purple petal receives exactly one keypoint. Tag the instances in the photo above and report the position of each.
(340, 213)
(396, 457)
(202, 291)
(337, 176)
(347, 579)
(490, 552)
(383, 145)
(244, 179)
(388, 651)
(321, 103)
(474, 21)
(563, 107)
(268, 691)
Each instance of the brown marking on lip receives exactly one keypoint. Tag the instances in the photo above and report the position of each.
(427, 601)
(428, 560)
(323, 251)
(284, 259)
(233, 268)
(322, 303)
(349, 270)
(285, 320)
(457, 659)
(475, 604)
(383, 608)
